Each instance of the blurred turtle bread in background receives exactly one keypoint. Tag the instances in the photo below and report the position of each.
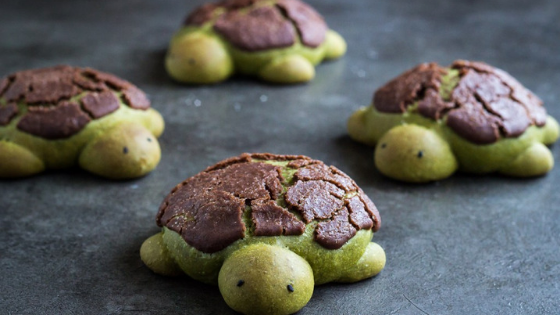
(431, 121)
(266, 228)
(278, 41)
(60, 117)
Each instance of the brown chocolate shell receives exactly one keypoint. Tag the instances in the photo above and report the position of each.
(62, 100)
(485, 105)
(207, 210)
(256, 25)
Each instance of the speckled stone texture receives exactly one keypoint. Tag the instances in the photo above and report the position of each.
(69, 244)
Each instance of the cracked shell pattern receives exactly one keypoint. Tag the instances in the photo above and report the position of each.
(485, 105)
(62, 100)
(280, 193)
(256, 25)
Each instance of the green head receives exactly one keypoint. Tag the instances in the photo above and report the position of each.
(414, 154)
(266, 279)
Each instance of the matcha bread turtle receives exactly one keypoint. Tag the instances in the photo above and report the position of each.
(267, 228)
(279, 41)
(431, 121)
(59, 117)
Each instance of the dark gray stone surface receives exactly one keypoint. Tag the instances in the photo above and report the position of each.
(468, 245)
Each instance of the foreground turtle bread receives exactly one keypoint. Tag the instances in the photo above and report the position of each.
(267, 228)
(54, 118)
(276, 40)
(431, 121)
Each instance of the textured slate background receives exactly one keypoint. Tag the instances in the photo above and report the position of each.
(468, 245)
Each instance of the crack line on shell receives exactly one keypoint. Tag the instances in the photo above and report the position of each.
(284, 13)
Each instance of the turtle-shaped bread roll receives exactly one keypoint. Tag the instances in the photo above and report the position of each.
(267, 228)
(431, 121)
(59, 117)
(279, 41)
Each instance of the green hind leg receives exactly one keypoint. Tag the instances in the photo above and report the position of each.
(17, 161)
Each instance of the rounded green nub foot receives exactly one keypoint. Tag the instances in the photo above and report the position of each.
(370, 264)
(198, 58)
(17, 161)
(414, 154)
(551, 131)
(288, 69)
(357, 127)
(266, 279)
(335, 45)
(126, 151)
(155, 122)
(537, 160)
(154, 254)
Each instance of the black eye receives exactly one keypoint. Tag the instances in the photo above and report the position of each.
(192, 62)
(149, 139)
(420, 154)
(290, 288)
(240, 283)
(383, 145)
(125, 150)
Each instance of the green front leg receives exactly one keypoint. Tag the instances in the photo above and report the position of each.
(551, 131)
(537, 160)
(17, 161)
(155, 255)
(370, 264)
(335, 45)
(198, 58)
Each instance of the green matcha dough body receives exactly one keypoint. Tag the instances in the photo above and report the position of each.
(414, 148)
(99, 148)
(263, 274)
(328, 265)
(121, 144)
(200, 54)
(302, 264)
